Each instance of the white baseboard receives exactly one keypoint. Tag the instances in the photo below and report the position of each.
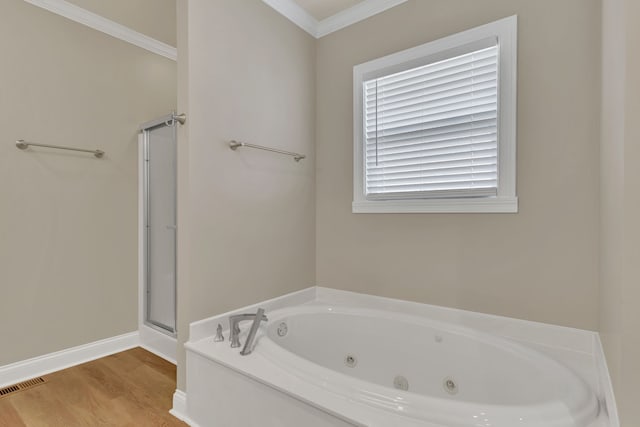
(42, 365)
(162, 345)
(179, 409)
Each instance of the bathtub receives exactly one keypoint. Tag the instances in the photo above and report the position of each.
(345, 364)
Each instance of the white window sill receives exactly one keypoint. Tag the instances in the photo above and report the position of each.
(478, 205)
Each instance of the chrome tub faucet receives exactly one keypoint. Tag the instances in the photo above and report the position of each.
(234, 329)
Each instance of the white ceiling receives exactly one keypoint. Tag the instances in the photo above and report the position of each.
(321, 9)
(322, 17)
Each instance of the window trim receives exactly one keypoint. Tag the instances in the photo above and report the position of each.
(506, 201)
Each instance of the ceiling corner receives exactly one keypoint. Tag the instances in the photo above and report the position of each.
(303, 19)
(296, 14)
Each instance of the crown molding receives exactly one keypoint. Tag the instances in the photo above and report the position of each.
(357, 13)
(288, 8)
(107, 26)
(303, 19)
(296, 14)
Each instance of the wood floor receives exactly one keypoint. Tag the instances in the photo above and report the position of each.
(132, 388)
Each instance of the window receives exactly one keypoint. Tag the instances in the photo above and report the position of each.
(435, 126)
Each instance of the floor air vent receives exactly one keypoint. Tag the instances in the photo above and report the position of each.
(21, 386)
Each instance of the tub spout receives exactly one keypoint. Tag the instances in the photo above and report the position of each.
(234, 328)
(248, 345)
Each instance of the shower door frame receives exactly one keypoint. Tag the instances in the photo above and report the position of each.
(144, 201)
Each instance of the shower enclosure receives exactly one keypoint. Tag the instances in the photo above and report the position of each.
(158, 140)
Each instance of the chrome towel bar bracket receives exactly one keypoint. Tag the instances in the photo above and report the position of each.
(180, 118)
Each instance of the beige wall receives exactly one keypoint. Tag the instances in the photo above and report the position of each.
(154, 18)
(68, 221)
(620, 209)
(628, 390)
(250, 76)
(540, 264)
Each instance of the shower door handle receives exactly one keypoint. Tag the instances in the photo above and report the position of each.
(171, 227)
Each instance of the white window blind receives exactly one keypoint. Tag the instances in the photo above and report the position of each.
(432, 130)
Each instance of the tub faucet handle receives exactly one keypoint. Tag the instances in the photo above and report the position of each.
(235, 337)
(219, 337)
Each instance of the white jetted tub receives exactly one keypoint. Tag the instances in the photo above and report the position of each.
(452, 376)
(354, 365)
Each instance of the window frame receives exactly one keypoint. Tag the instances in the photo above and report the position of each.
(505, 201)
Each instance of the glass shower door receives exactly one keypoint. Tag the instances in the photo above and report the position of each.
(160, 225)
